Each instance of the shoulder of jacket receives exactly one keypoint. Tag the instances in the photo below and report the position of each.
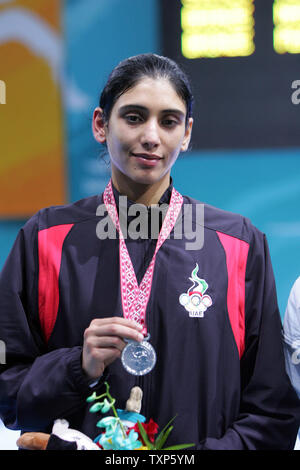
(72, 213)
(229, 223)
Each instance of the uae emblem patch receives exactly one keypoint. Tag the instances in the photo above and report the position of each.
(195, 301)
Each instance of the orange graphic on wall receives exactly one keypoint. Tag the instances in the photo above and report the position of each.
(31, 120)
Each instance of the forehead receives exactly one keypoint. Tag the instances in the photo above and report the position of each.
(153, 93)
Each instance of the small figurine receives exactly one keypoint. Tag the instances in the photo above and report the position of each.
(134, 402)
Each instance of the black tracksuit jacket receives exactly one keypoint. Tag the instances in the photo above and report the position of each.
(222, 373)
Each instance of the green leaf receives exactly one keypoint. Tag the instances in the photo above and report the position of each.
(161, 434)
(92, 397)
(179, 446)
(144, 436)
(96, 407)
(163, 438)
(106, 406)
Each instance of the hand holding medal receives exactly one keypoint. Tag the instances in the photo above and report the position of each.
(106, 339)
(104, 343)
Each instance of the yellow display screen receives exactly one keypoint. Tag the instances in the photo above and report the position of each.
(286, 16)
(214, 28)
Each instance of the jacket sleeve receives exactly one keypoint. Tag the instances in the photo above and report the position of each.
(269, 407)
(36, 385)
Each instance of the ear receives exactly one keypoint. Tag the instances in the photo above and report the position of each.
(187, 136)
(99, 126)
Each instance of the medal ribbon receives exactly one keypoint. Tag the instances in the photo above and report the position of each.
(135, 297)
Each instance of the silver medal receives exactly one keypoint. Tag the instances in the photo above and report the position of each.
(139, 358)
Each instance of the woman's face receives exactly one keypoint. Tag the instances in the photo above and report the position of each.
(146, 131)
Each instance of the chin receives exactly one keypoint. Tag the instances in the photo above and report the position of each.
(140, 176)
(146, 179)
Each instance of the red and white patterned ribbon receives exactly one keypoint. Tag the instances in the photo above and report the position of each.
(135, 297)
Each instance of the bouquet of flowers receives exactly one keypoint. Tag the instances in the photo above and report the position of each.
(128, 429)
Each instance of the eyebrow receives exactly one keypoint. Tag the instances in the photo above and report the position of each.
(132, 107)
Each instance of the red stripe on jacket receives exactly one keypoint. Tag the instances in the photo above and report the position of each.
(50, 243)
(236, 260)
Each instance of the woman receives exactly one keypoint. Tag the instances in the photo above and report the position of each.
(73, 297)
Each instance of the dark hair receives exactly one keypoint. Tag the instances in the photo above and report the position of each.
(130, 71)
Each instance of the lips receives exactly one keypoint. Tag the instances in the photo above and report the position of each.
(147, 156)
(147, 160)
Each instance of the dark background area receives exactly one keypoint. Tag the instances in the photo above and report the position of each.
(240, 102)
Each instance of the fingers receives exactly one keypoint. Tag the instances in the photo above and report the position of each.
(101, 358)
(104, 341)
(116, 327)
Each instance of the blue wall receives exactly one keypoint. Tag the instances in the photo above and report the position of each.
(8, 232)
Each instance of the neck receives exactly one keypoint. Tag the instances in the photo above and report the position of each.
(147, 194)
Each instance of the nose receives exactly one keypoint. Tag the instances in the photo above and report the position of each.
(150, 137)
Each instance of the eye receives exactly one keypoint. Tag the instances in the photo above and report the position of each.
(133, 118)
(170, 122)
